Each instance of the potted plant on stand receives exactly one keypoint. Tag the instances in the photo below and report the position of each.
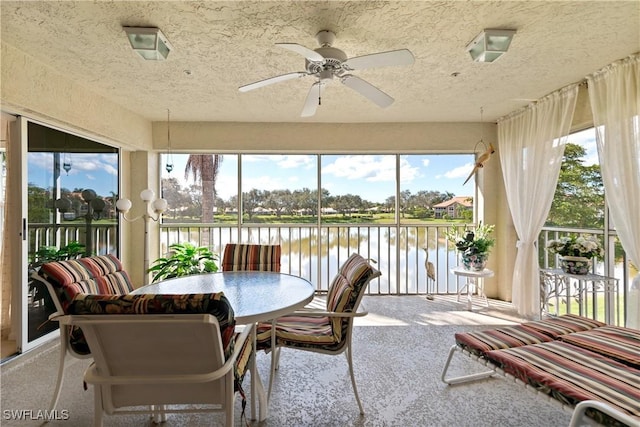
(474, 246)
(576, 252)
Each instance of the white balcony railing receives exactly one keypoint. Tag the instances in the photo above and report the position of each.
(316, 252)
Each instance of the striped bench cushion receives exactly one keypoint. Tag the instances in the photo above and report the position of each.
(478, 343)
(621, 344)
(108, 272)
(248, 257)
(562, 325)
(572, 374)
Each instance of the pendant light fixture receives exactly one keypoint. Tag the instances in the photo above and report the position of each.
(169, 164)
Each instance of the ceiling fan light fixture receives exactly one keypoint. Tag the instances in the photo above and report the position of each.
(490, 44)
(149, 42)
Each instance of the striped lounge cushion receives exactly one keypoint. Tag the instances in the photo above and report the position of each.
(562, 325)
(248, 257)
(108, 272)
(621, 344)
(480, 342)
(572, 374)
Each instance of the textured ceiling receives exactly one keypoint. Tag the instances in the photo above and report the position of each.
(224, 45)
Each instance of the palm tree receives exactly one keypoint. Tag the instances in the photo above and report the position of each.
(204, 168)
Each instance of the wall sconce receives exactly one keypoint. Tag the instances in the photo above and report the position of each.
(489, 45)
(158, 206)
(150, 43)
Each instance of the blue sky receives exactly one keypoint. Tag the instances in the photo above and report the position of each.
(370, 176)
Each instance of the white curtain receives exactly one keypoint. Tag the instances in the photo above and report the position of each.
(614, 93)
(531, 144)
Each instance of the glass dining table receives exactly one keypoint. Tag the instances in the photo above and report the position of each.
(255, 296)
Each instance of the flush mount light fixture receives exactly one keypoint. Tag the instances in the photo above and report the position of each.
(150, 43)
(489, 45)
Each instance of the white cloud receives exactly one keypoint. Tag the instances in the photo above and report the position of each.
(370, 168)
(459, 172)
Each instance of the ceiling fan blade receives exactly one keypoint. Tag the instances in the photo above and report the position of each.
(382, 59)
(311, 55)
(367, 90)
(312, 101)
(272, 80)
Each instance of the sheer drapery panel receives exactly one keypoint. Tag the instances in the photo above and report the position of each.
(614, 93)
(531, 144)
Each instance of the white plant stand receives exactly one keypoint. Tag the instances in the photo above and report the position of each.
(473, 284)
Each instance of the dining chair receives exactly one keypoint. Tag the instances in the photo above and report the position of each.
(103, 274)
(159, 354)
(252, 257)
(325, 330)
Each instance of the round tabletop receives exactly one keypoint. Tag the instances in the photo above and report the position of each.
(460, 271)
(254, 295)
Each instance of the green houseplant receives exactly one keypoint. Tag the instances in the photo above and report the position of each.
(474, 245)
(184, 259)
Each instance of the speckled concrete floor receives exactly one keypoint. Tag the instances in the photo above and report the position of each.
(399, 352)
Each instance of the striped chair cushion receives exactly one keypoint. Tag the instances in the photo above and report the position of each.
(621, 344)
(346, 290)
(480, 342)
(562, 325)
(70, 278)
(247, 257)
(320, 332)
(299, 331)
(108, 272)
(215, 304)
(572, 374)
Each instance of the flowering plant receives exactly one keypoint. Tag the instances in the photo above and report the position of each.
(472, 242)
(587, 247)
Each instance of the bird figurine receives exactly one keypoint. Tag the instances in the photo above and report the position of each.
(431, 271)
(482, 159)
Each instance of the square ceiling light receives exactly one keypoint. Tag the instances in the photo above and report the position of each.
(150, 43)
(489, 45)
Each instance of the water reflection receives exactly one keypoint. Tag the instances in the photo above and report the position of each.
(316, 254)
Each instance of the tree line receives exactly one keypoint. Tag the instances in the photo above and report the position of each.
(186, 202)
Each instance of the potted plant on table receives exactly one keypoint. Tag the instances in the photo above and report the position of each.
(474, 245)
(183, 260)
(576, 252)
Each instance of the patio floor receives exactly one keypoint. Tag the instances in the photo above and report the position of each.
(399, 351)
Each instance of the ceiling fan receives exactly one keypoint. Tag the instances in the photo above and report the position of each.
(326, 63)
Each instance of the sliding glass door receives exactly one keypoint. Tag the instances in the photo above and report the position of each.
(71, 185)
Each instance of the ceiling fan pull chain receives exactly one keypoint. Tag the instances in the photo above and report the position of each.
(319, 94)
